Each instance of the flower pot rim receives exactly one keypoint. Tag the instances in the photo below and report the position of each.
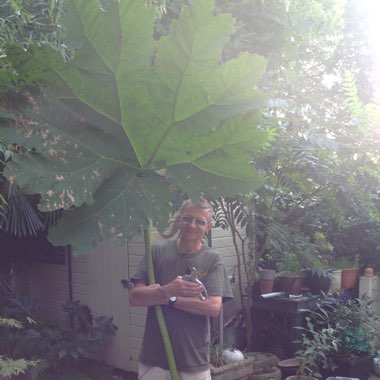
(291, 362)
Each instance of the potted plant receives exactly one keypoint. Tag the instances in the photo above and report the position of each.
(319, 275)
(338, 337)
(349, 268)
(318, 279)
(290, 269)
(232, 364)
(266, 280)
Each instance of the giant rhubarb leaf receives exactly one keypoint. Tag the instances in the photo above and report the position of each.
(126, 106)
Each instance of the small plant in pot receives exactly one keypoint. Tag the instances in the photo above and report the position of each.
(290, 269)
(228, 363)
(337, 339)
(319, 275)
(266, 280)
(350, 268)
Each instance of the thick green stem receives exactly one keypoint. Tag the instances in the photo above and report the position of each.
(159, 314)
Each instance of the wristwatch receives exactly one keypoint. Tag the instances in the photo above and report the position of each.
(172, 300)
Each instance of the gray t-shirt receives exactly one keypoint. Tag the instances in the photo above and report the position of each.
(189, 333)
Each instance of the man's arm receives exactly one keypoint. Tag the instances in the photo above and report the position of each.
(187, 294)
(143, 295)
(210, 307)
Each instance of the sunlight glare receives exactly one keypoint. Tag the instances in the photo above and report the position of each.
(373, 9)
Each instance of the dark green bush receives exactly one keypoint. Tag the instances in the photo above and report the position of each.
(62, 353)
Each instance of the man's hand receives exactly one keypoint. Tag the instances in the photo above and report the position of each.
(180, 287)
(143, 295)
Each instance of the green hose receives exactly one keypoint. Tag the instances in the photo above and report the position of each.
(159, 314)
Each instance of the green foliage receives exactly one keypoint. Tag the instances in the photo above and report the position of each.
(10, 367)
(322, 166)
(28, 22)
(19, 214)
(216, 357)
(10, 322)
(235, 214)
(318, 348)
(56, 352)
(172, 107)
(346, 262)
(339, 329)
(290, 264)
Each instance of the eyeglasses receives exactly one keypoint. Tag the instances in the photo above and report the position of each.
(189, 219)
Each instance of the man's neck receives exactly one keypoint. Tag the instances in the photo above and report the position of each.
(188, 246)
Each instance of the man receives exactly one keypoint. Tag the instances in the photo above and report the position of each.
(186, 315)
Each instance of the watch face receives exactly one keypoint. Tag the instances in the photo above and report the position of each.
(173, 299)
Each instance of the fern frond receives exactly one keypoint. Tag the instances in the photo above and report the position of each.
(352, 101)
(10, 322)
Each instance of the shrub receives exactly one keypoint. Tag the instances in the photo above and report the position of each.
(57, 352)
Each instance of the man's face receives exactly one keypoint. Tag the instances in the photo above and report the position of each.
(194, 223)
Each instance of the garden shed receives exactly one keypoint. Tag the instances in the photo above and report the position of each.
(95, 280)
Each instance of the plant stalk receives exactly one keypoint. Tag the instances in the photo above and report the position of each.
(158, 309)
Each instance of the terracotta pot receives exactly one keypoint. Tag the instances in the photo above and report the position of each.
(266, 280)
(349, 278)
(291, 285)
(336, 280)
(266, 286)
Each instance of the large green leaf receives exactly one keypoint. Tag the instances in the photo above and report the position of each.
(127, 106)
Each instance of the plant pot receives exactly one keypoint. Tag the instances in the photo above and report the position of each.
(266, 280)
(266, 286)
(349, 278)
(290, 366)
(267, 274)
(358, 368)
(336, 280)
(318, 284)
(273, 373)
(262, 360)
(240, 370)
(369, 272)
(291, 284)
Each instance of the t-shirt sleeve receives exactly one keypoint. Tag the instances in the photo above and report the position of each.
(216, 281)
